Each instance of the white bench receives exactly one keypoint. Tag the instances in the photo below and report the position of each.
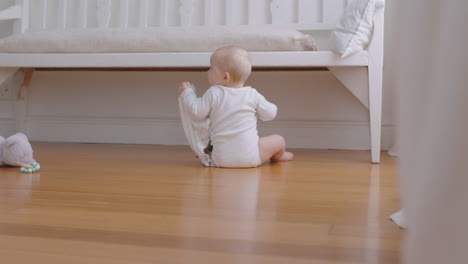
(361, 72)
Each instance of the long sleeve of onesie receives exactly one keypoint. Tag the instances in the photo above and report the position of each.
(194, 115)
(266, 111)
(198, 108)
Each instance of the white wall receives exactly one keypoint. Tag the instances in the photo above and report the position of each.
(315, 110)
(6, 92)
(6, 27)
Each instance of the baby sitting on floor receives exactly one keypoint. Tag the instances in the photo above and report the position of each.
(233, 110)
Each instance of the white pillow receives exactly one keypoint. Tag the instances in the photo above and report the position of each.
(354, 30)
(163, 39)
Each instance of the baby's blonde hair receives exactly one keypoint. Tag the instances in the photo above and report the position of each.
(235, 61)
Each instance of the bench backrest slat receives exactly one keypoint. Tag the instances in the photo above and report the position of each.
(45, 5)
(63, 13)
(83, 13)
(186, 12)
(163, 13)
(253, 12)
(208, 15)
(299, 14)
(306, 15)
(143, 14)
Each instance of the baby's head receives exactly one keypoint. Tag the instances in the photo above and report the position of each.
(230, 66)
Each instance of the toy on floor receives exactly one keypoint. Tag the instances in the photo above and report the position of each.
(35, 167)
(17, 151)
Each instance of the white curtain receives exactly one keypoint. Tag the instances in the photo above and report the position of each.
(432, 82)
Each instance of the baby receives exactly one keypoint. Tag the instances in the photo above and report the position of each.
(233, 110)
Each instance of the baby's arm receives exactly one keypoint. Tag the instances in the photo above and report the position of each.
(266, 111)
(184, 86)
(198, 108)
(271, 147)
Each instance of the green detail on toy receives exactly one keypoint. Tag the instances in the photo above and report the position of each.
(36, 167)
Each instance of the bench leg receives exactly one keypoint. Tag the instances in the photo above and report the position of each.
(21, 105)
(375, 111)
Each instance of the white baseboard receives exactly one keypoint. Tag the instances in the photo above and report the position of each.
(168, 131)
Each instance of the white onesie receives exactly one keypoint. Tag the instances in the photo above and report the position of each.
(233, 116)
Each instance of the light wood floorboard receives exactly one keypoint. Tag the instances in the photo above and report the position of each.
(118, 203)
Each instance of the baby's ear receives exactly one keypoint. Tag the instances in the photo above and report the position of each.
(227, 77)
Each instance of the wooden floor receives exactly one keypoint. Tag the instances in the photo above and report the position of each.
(115, 203)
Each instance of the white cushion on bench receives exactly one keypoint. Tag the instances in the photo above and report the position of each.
(354, 29)
(163, 39)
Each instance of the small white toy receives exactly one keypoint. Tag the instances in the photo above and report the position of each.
(17, 151)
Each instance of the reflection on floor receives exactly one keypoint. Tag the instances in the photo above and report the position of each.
(117, 203)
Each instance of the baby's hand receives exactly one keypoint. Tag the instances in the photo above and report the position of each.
(184, 86)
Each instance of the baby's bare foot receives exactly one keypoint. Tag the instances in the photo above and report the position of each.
(287, 156)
